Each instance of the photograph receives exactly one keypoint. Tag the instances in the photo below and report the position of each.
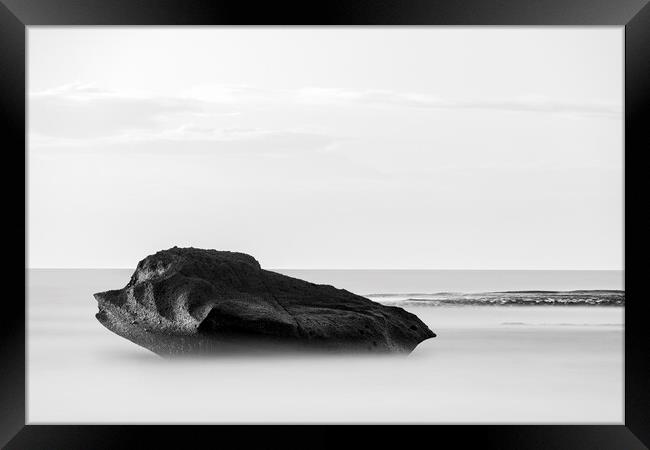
(325, 225)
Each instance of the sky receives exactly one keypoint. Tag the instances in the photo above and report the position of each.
(327, 147)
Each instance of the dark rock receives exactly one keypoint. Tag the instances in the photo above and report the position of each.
(187, 300)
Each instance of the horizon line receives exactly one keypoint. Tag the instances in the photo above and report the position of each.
(358, 269)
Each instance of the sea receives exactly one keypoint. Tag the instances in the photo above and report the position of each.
(512, 347)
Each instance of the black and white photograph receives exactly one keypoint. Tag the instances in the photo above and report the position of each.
(325, 225)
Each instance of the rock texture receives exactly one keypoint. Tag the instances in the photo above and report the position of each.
(187, 301)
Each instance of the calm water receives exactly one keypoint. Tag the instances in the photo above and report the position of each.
(490, 364)
(431, 281)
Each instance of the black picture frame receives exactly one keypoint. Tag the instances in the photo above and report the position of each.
(16, 15)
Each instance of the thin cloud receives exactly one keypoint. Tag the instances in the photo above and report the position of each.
(530, 103)
(246, 94)
(188, 141)
(84, 116)
(88, 113)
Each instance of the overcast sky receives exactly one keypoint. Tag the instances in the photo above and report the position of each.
(405, 148)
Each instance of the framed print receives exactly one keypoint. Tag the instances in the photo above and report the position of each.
(395, 214)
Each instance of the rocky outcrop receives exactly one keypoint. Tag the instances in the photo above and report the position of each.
(187, 301)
